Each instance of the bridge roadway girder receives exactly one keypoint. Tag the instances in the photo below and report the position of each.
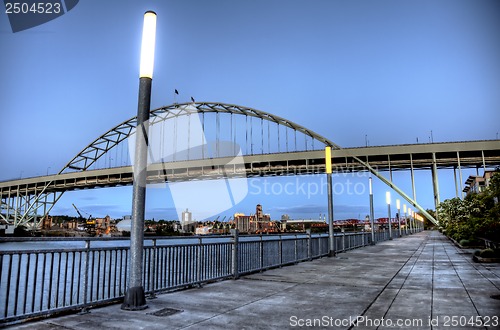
(472, 154)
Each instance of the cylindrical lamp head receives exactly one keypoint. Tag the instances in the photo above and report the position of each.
(388, 197)
(328, 159)
(404, 208)
(409, 212)
(370, 185)
(148, 45)
(398, 204)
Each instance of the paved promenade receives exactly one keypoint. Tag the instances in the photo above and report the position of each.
(417, 282)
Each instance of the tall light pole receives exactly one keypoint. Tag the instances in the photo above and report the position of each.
(135, 298)
(411, 223)
(406, 219)
(398, 206)
(328, 165)
(388, 201)
(372, 216)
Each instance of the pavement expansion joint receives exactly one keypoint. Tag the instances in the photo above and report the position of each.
(270, 278)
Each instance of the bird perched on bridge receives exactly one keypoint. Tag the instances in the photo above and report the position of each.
(192, 99)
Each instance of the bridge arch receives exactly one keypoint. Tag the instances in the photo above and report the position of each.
(104, 143)
(45, 199)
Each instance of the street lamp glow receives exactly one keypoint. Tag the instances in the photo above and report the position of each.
(148, 45)
(388, 197)
(398, 205)
(409, 212)
(404, 208)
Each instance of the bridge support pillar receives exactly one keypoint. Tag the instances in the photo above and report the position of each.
(435, 183)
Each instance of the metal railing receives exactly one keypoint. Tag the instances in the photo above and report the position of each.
(43, 282)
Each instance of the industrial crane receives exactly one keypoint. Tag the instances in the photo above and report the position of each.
(89, 223)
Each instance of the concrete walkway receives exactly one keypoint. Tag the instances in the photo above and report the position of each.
(417, 282)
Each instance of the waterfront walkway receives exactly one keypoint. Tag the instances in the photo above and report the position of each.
(421, 281)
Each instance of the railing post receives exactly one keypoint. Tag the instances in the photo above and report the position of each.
(199, 259)
(235, 238)
(152, 271)
(261, 254)
(309, 241)
(343, 239)
(280, 250)
(85, 278)
(295, 250)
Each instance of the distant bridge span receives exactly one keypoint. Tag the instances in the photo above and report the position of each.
(451, 155)
(271, 151)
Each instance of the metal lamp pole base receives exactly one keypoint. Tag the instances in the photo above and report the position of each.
(135, 299)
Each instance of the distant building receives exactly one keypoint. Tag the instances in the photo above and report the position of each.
(477, 184)
(256, 223)
(187, 216)
(187, 223)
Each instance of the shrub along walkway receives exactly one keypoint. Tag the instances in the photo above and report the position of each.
(421, 281)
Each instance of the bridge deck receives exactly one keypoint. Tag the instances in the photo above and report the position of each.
(417, 278)
(473, 154)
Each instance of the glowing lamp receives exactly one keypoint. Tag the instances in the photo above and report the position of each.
(148, 45)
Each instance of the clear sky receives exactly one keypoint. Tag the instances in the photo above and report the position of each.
(388, 71)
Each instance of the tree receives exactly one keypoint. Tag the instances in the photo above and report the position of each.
(477, 215)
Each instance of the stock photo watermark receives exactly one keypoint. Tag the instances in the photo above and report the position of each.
(189, 142)
(24, 15)
(451, 321)
(300, 185)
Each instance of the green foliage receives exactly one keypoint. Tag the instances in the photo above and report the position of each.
(487, 253)
(477, 215)
(464, 242)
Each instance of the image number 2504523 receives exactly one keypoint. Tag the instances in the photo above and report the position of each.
(30, 13)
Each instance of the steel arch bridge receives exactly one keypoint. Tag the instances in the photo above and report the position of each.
(198, 138)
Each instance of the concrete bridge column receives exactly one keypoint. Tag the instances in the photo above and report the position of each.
(435, 183)
(413, 179)
(460, 175)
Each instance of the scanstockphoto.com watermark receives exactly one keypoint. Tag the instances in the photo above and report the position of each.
(451, 321)
(192, 141)
(314, 185)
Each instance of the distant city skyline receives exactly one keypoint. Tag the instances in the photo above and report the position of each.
(357, 72)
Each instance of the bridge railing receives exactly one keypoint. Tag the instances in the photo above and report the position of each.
(36, 283)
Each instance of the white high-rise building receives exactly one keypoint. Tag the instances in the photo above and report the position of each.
(186, 217)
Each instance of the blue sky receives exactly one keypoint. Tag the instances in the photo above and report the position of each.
(389, 70)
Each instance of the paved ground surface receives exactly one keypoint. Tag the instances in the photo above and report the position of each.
(417, 282)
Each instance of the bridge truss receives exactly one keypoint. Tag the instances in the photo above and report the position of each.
(187, 141)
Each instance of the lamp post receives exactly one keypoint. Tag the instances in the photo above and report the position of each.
(135, 298)
(406, 219)
(415, 223)
(398, 206)
(411, 223)
(328, 165)
(372, 217)
(388, 201)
